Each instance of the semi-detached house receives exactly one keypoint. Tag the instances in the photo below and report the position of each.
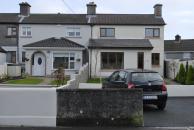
(106, 41)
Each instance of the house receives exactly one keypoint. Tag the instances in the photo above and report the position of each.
(121, 41)
(179, 49)
(107, 41)
(9, 36)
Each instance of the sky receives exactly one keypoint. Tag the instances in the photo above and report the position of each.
(178, 14)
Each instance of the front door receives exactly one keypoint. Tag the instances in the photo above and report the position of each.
(39, 65)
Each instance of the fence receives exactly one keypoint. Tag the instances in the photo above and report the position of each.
(172, 67)
(3, 69)
(75, 79)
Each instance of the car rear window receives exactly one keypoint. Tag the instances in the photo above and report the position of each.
(146, 77)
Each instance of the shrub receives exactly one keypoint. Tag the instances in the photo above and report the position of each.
(182, 74)
(177, 77)
(190, 76)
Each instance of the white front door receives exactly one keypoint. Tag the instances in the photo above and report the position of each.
(38, 68)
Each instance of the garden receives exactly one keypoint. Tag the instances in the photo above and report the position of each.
(185, 75)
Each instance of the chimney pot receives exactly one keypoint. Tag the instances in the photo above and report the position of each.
(158, 10)
(178, 38)
(25, 9)
(91, 8)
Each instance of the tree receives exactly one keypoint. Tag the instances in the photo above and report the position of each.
(190, 76)
(182, 74)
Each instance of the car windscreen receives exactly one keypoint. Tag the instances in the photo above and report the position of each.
(146, 77)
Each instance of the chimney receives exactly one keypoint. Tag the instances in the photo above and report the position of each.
(91, 8)
(178, 38)
(24, 9)
(158, 10)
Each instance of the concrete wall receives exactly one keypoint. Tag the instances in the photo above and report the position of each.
(130, 60)
(76, 79)
(180, 90)
(40, 32)
(137, 32)
(99, 107)
(3, 70)
(28, 106)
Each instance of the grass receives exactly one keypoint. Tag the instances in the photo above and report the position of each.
(28, 80)
(95, 80)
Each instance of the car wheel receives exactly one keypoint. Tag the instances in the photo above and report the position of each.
(161, 106)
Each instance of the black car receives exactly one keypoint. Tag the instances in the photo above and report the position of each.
(153, 85)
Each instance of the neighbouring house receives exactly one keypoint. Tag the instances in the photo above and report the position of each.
(3, 65)
(2, 56)
(107, 41)
(9, 36)
(179, 49)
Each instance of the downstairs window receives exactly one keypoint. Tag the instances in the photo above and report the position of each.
(112, 60)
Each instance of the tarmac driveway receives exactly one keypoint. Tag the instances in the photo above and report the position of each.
(178, 113)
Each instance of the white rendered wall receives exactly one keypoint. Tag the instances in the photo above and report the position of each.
(137, 32)
(40, 32)
(28, 106)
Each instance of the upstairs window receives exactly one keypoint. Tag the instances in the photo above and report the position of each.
(73, 32)
(107, 32)
(26, 31)
(11, 31)
(155, 59)
(152, 32)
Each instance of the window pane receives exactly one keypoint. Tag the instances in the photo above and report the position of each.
(110, 32)
(72, 64)
(102, 32)
(23, 56)
(66, 63)
(156, 32)
(149, 32)
(77, 34)
(155, 59)
(9, 31)
(24, 31)
(71, 34)
(58, 62)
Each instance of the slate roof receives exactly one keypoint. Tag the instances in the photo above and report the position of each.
(9, 18)
(120, 43)
(184, 45)
(2, 50)
(99, 19)
(55, 42)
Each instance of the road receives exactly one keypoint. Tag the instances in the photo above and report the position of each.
(179, 113)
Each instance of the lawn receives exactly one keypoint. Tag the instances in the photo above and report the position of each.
(95, 80)
(28, 80)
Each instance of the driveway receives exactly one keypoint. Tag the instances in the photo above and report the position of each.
(178, 113)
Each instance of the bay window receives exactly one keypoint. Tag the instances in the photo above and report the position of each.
(65, 60)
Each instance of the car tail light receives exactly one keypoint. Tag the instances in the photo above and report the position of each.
(164, 87)
(131, 85)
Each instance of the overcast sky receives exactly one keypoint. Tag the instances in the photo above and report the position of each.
(178, 14)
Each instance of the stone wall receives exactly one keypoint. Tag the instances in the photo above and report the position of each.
(84, 107)
(81, 77)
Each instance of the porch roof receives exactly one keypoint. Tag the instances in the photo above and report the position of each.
(120, 43)
(2, 50)
(55, 43)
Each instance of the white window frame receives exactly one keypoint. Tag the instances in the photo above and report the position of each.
(69, 59)
(74, 31)
(25, 31)
(154, 33)
(11, 31)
